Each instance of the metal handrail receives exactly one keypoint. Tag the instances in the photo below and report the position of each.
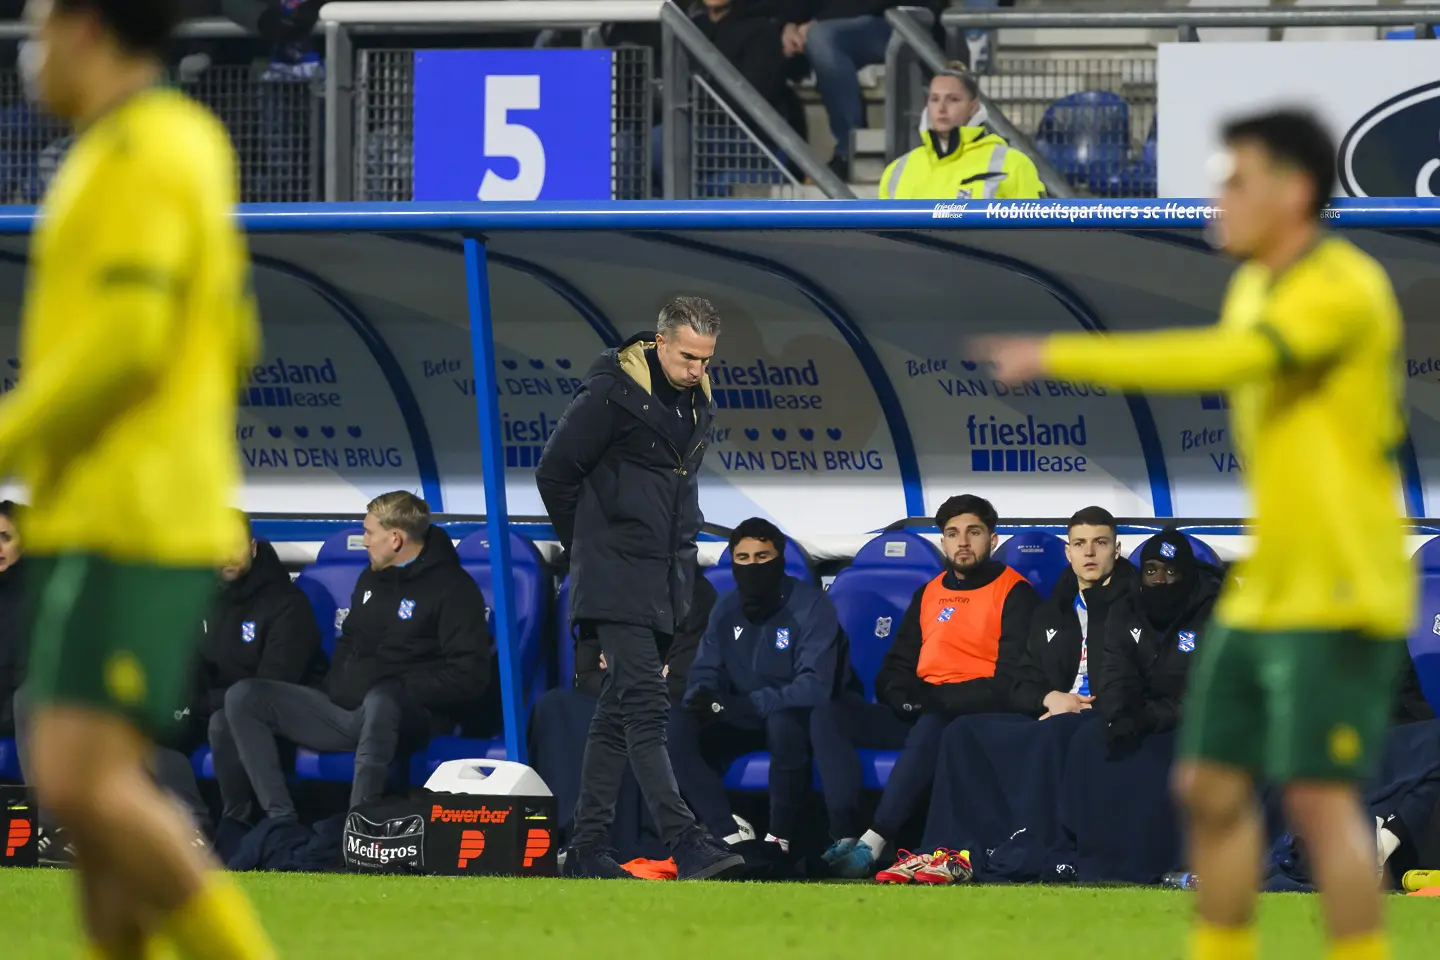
(209, 28)
(739, 121)
(730, 80)
(918, 39)
(683, 41)
(1188, 19)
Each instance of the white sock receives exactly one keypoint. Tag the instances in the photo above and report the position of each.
(874, 841)
(1388, 844)
(784, 844)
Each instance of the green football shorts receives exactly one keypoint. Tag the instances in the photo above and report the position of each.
(1291, 705)
(114, 635)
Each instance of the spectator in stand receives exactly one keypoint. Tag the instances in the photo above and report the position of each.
(262, 626)
(838, 37)
(998, 778)
(13, 636)
(413, 659)
(772, 651)
(1117, 798)
(747, 37)
(560, 723)
(956, 652)
(960, 157)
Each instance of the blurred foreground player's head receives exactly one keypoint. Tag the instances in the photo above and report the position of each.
(395, 528)
(1275, 178)
(89, 54)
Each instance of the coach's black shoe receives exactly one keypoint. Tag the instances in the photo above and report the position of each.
(701, 857)
(593, 863)
(54, 847)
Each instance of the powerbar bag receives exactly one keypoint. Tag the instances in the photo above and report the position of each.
(385, 836)
(453, 834)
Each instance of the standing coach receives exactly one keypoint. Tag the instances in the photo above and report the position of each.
(620, 480)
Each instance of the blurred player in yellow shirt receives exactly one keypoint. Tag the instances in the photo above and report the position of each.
(1296, 675)
(138, 320)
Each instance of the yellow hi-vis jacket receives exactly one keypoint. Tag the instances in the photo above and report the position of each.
(982, 167)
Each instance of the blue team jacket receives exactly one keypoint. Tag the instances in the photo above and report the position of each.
(789, 661)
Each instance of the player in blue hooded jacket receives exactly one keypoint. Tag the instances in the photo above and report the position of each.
(773, 649)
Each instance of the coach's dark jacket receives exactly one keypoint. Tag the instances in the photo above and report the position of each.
(262, 626)
(421, 626)
(624, 500)
(1142, 674)
(1052, 653)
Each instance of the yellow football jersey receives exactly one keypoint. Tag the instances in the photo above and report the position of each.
(1312, 363)
(138, 321)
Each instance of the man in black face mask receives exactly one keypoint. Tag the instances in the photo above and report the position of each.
(1118, 805)
(773, 650)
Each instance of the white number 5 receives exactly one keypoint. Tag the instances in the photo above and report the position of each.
(514, 140)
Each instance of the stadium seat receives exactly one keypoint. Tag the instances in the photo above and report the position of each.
(871, 594)
(797, 564)
(1425, 636)
(203, 763)
(9, 760)
(531, 581)
(751, 773)
(341, 560)
(1086, 136)
(446, 748)
(1038, 556)
(1203, 551)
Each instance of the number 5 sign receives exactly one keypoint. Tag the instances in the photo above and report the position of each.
(512, 125)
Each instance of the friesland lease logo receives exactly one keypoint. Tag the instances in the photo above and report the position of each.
(1393, 151)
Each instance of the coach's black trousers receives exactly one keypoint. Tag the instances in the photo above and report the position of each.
(629, 722)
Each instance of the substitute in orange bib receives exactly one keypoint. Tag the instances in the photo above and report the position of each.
(961, 158)
(955, 653)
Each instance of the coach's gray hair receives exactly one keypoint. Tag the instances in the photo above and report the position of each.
(697, 313)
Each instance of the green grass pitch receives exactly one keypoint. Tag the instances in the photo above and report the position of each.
(434, 918)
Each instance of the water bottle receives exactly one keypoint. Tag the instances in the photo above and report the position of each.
(1179, 881)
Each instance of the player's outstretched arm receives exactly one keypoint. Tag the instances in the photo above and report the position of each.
(1175, 361)
(1182, 361)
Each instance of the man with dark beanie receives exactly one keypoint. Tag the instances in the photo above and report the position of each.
(1116, 802)
(773, 651)
(956, 652)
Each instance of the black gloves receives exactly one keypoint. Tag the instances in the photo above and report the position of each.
(1125, 732)
(705, 705)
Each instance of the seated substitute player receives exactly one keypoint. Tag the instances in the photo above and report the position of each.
(1116, 804)
(955, 653)
(772, 651)
(138, 319)
(998, 773)
(1293, 681)
(412, 660)
(262, 627)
